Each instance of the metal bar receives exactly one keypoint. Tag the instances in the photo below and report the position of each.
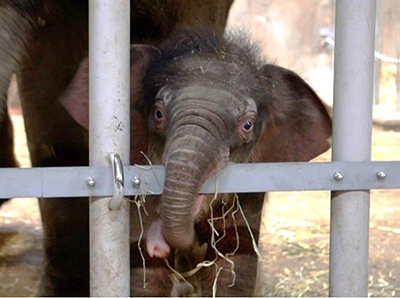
(109, 132)
(72, 181)
(352, 128)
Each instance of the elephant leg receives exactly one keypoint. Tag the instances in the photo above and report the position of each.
(238, 277)
(158, 281)
(244, 258)
(65, 229)
(56, 140)
(244, 283)
(66, 247)
(7, 157)
(66, 220)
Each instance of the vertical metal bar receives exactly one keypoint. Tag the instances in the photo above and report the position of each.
(109, 56)
(352, 128)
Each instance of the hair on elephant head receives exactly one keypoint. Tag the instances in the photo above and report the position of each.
(202, 102)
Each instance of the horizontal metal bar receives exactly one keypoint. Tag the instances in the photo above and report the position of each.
(299, 176)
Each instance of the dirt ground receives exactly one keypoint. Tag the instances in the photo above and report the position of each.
(294, 239)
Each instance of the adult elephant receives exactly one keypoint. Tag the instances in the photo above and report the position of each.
(44, 41)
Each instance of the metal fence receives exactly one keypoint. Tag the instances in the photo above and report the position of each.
(350, 175)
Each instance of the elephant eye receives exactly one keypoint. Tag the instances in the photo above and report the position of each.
(158, 114)
(248, 125)
(159, 111)
(245, 128)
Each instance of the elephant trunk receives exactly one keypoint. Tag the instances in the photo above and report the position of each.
(190, 158)
(176, 212)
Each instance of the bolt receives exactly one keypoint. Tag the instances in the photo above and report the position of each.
(381, 175)
(90, 181)
(338, 176)
(136, 182)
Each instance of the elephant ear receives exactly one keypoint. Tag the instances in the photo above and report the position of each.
(297, 125)
(75, 98)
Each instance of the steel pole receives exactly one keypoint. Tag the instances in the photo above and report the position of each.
(352, 128)
(109, 33)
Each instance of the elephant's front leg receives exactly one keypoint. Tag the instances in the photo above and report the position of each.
(220, 278)
(153, 281)
(235, 270)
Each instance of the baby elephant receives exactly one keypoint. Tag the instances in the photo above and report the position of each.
(199, 102)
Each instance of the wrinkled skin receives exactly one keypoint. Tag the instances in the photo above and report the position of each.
(205, 101)
(44, 42)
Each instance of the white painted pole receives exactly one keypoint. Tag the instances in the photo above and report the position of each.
(109, 32)
(352, 127)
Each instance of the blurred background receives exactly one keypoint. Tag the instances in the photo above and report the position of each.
(300, 35)
(297, 34)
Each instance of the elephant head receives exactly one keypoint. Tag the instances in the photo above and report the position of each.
(203, 101)
(213, 100)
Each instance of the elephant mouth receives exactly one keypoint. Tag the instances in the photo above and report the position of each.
(158, 244)
(198, 203)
